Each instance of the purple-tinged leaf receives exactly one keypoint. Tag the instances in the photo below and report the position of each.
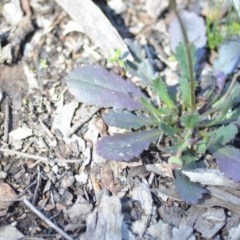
(94, 85)
(127, 120)
(194, 26)
(220, 80)
(228, 57)
(189, 192)
(126, 146)
(228, 160)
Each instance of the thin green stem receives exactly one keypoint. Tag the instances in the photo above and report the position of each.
(230, 88)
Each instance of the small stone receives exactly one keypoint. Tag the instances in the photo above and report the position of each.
(81, 178)
(3, 175)
(55, 169)
(68, 181)
(156, 7)
(117, 5)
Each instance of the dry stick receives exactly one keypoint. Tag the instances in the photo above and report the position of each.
(234, 80)
(26, 7)
(38, 158)
(79, 124)
(46, 220)
(26, 189)
(37, 187)
(6, 121)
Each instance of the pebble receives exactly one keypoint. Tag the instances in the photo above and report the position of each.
(3, 175)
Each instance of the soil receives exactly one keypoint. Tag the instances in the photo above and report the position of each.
(48, 163)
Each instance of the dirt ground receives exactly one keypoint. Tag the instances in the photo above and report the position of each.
(52, 183)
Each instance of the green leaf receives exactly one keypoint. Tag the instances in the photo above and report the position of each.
(169, 149)
(154, 111)
(190, 120)
(189, 192)
(185, 90)
(140, 66)
(189, 159)
(127, 120)
(232, 116)
(116, 58)
(226, 103)
(161, 89)
(168, 130)
(135, 49)
(223, 119)
(145, 73)
(182, 59)
(223, 135)
(201, 146)
(187, 83)
(175, 161)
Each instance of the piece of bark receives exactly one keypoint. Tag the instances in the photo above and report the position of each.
(163, 192)
(234, 233)
(183, 233)
(212, 177)
(95, 25)
(142, 197)
(105, 222)
(226, 196)
(160, 230)
(194, 213)
(210, 222)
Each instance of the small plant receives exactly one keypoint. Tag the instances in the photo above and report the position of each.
(186, 123)
(217, 32)
(43, 64)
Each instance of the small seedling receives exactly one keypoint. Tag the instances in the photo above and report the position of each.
(186, 123)
(116, 58)
(43, 64)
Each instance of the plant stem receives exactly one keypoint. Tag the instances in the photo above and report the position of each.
(189, 57)
(230, 88)
(225, 96)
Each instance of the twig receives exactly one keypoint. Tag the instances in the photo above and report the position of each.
(38, 158)
(11, 200)
(46, 220)
(37, 187)
(6, 120)
(234, 80)
(79, 124)
(52, 139)
(26, 189)
(26, 8)
(225, 96)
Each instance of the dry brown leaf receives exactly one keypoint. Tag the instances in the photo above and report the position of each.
(6, 195)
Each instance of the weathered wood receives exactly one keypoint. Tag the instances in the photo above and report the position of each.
(105, 222)
(212, 177)
(95, 24)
